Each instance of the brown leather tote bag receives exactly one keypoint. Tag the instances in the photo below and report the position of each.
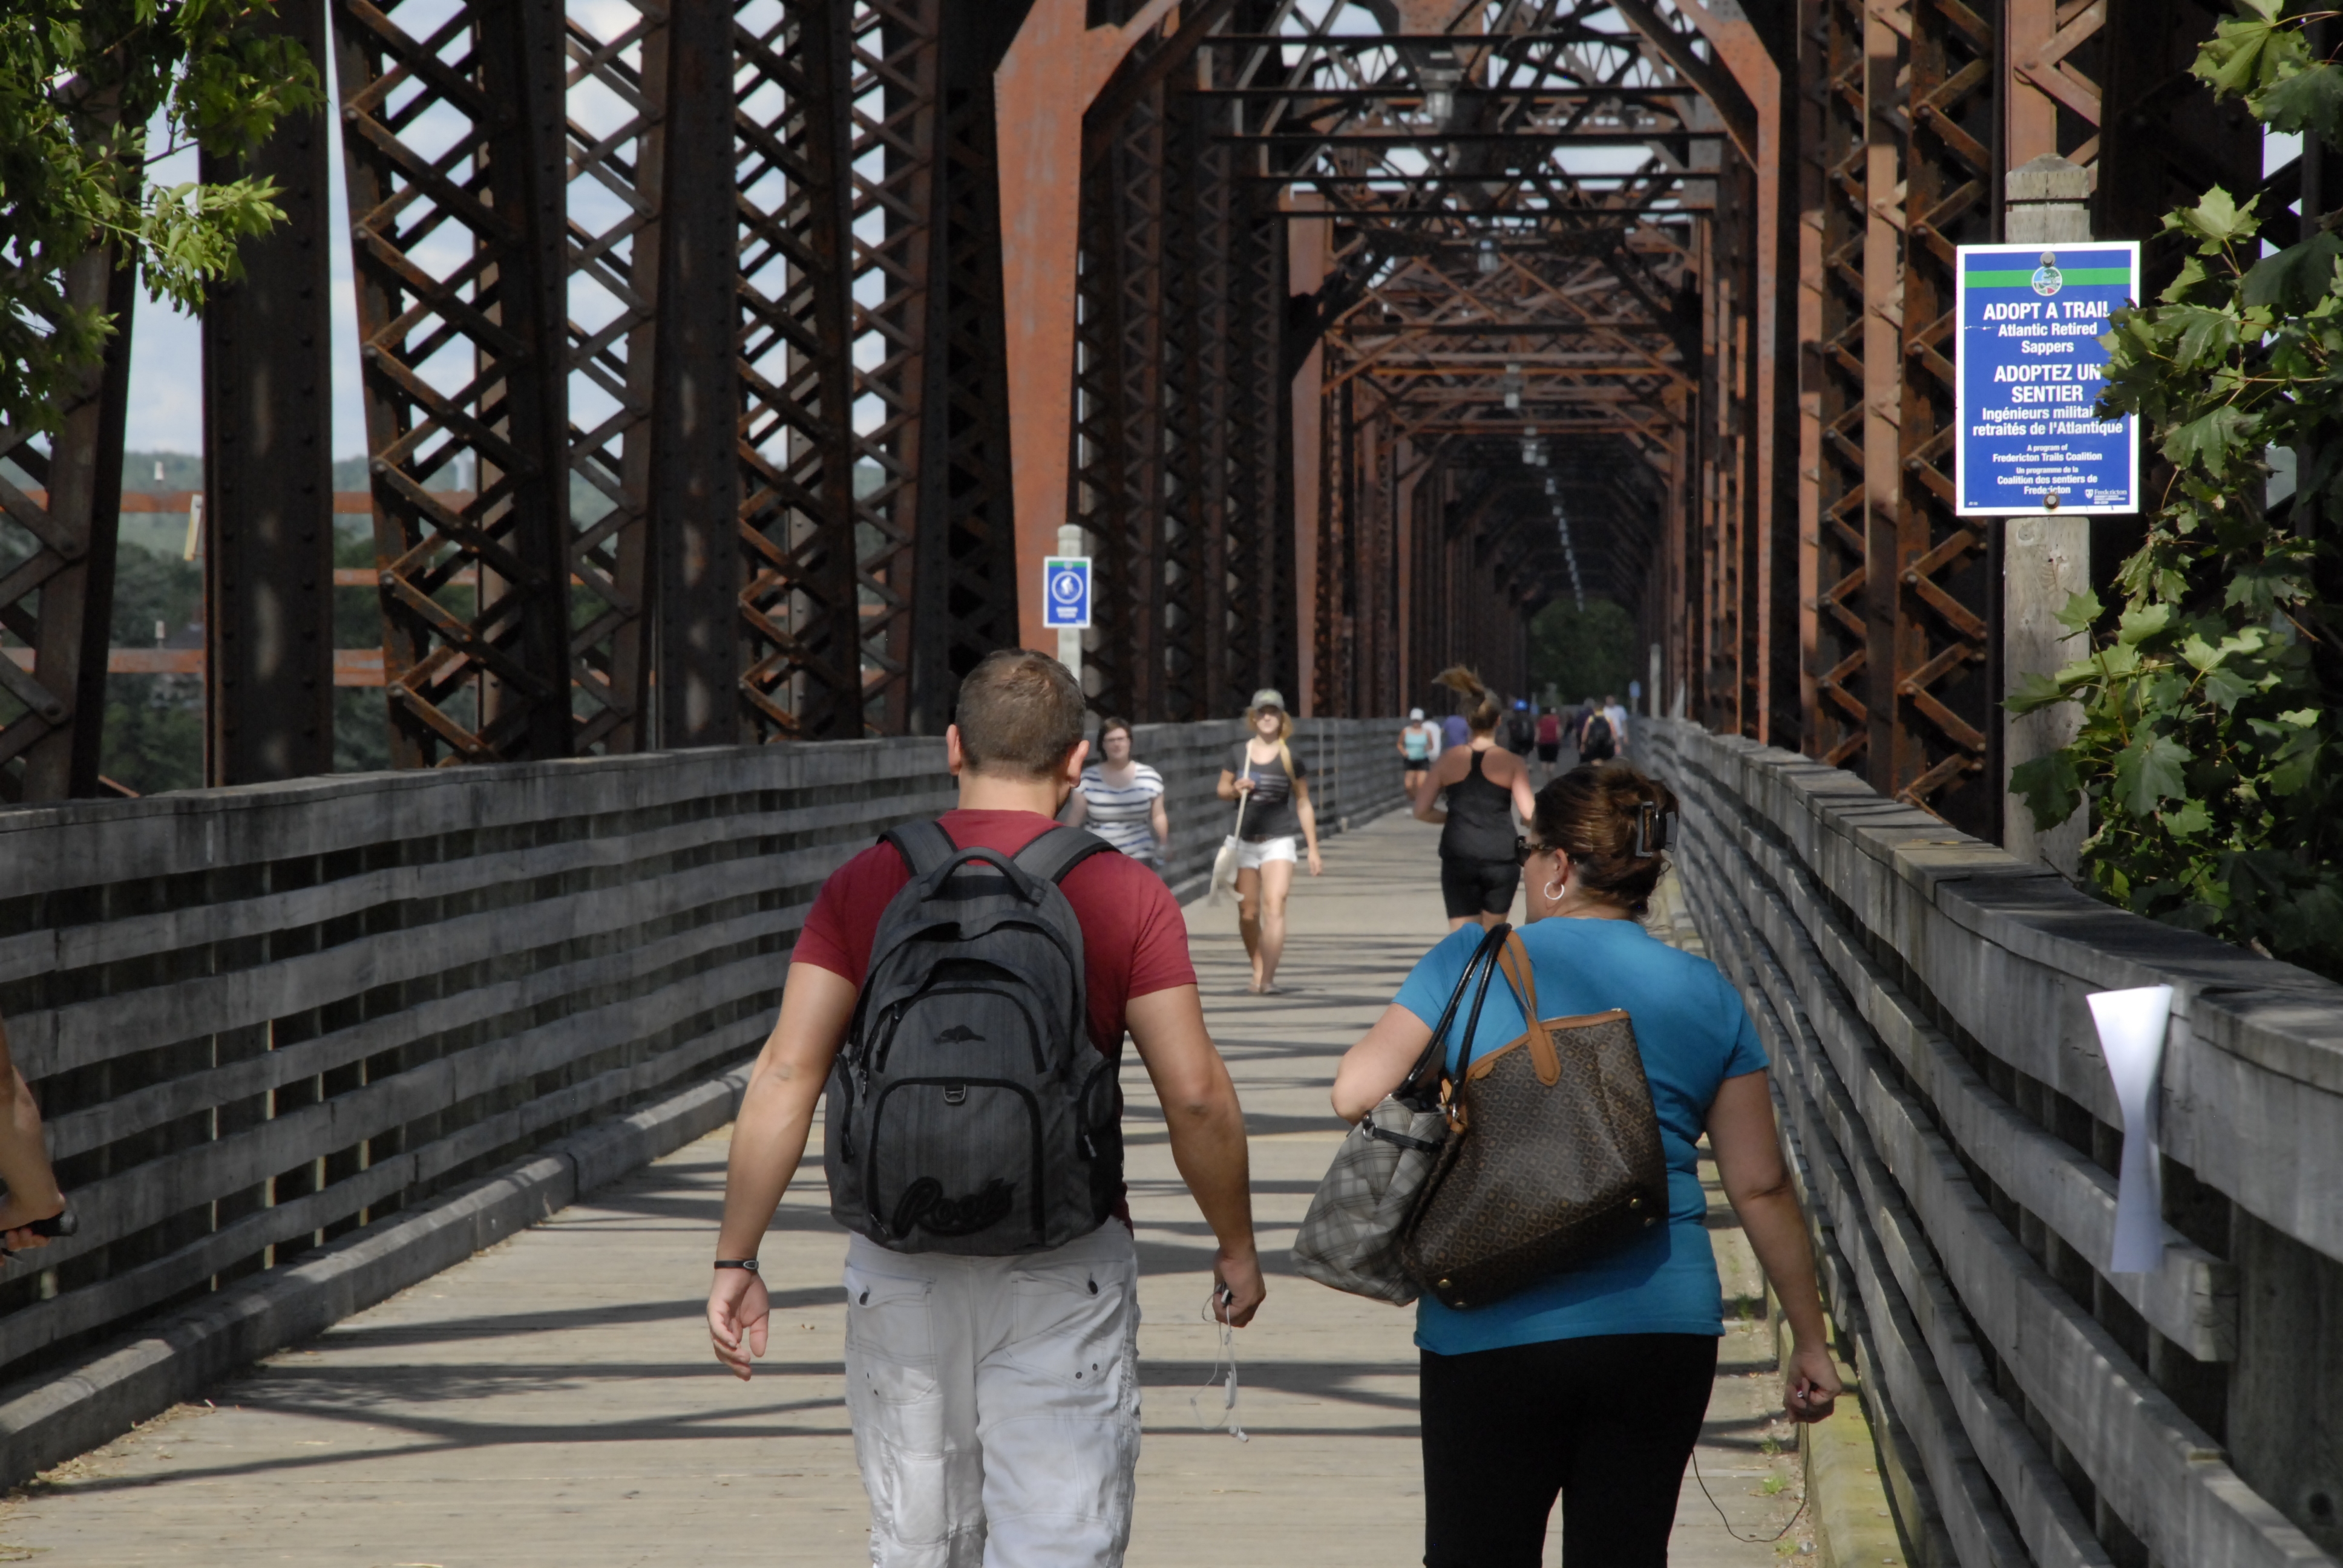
(1553, 1156)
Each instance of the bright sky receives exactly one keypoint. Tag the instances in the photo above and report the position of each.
(166, 348)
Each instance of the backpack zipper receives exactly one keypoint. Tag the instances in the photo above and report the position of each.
(895, 1018)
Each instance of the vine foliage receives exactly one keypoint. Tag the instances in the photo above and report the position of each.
(2207, 752)
(80, 83)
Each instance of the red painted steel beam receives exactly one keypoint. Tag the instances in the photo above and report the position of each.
(1042, 89)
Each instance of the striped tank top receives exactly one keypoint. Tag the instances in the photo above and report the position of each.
(1119, 814)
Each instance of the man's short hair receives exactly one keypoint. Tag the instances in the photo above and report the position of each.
(1019, 712)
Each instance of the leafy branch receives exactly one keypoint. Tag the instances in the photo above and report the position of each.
(79, 82)
(2208, 746)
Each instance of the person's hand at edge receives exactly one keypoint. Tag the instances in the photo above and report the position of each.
(1239, 1275)
(1810, 1383)
(17, 1220)
(738, 1318)
(1317, 865)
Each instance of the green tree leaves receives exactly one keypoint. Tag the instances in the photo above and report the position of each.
(79, 82)
(2209, 750)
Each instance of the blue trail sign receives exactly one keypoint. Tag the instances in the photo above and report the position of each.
(1066, 590)
(2028, 365)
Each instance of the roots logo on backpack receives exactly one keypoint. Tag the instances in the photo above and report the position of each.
(923, 1206)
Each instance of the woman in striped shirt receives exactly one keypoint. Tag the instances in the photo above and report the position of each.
(1122, 800)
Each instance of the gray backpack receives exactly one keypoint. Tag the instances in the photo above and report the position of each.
(969, 1112)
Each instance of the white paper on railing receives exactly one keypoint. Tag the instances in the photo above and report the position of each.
(2131, 1037)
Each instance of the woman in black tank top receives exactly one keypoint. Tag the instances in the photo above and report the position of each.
(1486, 785)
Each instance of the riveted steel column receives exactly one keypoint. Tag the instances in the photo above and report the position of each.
(694, 477)
(268, 524)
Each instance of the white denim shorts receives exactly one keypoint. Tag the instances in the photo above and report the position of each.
(1253, 854)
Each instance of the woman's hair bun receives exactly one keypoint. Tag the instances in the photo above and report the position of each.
(1481, 711)
(1613, 821)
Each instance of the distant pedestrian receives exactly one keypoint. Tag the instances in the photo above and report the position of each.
(1549, 743)
(1597, 742)
(1521, 731)
(1617, 714)
(1485, 784)
(32, 1196)
(991, 1324)
(1120, 800)
(1454, 730)
(1593, 1384)
(1416, 747)
(1272, 785)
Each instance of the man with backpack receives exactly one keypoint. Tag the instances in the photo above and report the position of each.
(1597, 741)
(1520, 731)
(1617, 715)
(959, 994)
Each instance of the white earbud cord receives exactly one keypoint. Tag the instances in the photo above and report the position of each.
(1223, 1375)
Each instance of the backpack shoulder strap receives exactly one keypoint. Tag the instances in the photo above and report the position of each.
(1058, 851)
(923, 844)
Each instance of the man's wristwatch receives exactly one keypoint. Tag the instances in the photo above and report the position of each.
(748, 1263)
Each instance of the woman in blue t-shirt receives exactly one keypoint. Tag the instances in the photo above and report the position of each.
(1594, 1383)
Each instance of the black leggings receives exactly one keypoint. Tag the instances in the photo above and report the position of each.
(1607, 1422)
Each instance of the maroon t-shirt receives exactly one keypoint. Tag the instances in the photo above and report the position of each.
(1134, 941)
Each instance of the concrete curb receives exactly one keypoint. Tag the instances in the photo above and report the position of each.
(1849, 1512)
(70, 1412)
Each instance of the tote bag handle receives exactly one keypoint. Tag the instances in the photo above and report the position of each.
(1419, 1083)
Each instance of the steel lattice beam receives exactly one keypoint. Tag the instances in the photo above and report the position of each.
(874, 464)
(56, 563)
(454, 143)
(1934, 579)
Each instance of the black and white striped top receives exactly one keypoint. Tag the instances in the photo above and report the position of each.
(1120, 815)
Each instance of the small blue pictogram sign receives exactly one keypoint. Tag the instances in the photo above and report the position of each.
(1066, 590)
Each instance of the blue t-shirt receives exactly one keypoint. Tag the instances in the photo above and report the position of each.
(1695, 1033)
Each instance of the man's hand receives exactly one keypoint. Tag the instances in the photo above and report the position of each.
(1238, 1273)
(768, 1140)
(737, 1319)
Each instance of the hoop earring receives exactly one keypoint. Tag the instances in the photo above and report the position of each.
(1553, 892)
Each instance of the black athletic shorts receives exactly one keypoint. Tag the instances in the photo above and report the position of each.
(1470, 888)
(1548, 753)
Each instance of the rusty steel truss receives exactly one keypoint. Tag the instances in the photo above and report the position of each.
(685, 366)
(1502, 249)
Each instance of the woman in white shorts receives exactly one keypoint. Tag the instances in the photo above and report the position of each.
(1272, 783)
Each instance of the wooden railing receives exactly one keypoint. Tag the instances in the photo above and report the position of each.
(261, 1018)
(1956, 1134)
